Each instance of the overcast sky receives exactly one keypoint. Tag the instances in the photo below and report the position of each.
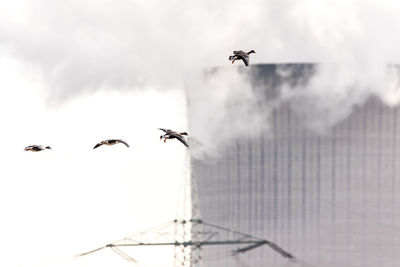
(76, 72)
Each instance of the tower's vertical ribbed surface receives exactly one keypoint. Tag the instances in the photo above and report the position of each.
(331, 199)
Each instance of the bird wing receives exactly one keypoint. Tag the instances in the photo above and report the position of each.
(96, 146)
(123, 142)
(164, 130)
(240, 52)
(245, 60)
(180, 138)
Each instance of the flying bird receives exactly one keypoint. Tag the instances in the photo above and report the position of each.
(169, 134)
(111, 142)
(36, 148)
(241, 55)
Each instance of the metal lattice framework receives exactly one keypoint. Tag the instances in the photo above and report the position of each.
(188, 236)
(201, 234)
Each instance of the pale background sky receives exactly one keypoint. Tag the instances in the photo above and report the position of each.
(76, 72)
(56, 204)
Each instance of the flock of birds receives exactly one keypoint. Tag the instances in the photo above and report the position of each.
(168, 133)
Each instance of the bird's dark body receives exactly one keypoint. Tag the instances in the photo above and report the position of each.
(239, 57)
(111, 142)
(36, 148)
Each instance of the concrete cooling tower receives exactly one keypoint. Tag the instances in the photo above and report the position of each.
(328, 195)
